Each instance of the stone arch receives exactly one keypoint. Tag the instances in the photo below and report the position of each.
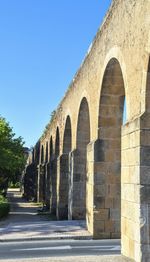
(83, 126)
(51, 148)
(83, 139)
(67, 140)
(115, 53)
(107, 195)
(57, 143)
(51, 173)
(54, 170)
(37, 153)
(41, 177)
(47, 176)
(46, 153)
(63, 173)
(42, 154)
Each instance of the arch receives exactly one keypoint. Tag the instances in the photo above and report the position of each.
(57, 143)
(108, 155)
(67, 140)
(37, 153)
(115, 53)
(83, 126)
(51, 148)
(46, 156)
(42, 154)
(63, 173)
(80, 162)
(112, 95)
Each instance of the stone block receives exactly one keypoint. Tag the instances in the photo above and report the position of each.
(117, 226)
(109, 132)
(99, 235)
(125, 142)
(110, 155)
(100, 190)
(115, 214)
(145, 155)
(130, 157)
(108, 122)
(101, 214)
(109, 202)
(113, 190)
(131, 127)
(99, 226)
(144, 191)
(145, 137)
(117, 202)
(128, 192)
(99, 178)
(130, 175)
(145, 175)
(109, 226)
(130, 210)
(99, 202)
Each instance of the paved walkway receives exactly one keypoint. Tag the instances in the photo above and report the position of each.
(24, 222)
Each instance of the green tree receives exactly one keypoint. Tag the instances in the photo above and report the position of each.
(12, 157)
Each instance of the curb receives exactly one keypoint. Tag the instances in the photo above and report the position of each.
(46, 238)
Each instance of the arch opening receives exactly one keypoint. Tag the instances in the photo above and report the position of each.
(51, 148)
(63, 185)
(37, 153)
(46, 157)
(52, 178)
(47, 179)
(83, 139)
(112, 115)
(42, 154)
(57, 145)
(67, 143)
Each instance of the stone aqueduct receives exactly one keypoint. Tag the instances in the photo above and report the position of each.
(88, 164)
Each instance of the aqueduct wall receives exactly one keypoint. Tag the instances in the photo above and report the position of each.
(89, 164)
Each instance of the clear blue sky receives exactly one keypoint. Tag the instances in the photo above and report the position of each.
(42, 44)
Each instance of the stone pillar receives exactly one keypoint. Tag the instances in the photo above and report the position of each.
(103, 191)
(50, 186)
(90, 188)
(70, 185)
(62, 186)
(47, 185)
(53, 180)
(30, 182)
(135, 200)
(77, 182)
(41, 183)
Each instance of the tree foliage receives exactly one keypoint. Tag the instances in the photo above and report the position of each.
(12, 157)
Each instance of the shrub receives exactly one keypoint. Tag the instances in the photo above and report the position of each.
(4, 207)
(14, 185)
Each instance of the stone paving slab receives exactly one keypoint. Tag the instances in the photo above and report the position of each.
(44, 230)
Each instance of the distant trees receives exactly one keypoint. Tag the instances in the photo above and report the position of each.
(12, 158)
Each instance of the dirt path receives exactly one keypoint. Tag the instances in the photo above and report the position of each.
(21, 210)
